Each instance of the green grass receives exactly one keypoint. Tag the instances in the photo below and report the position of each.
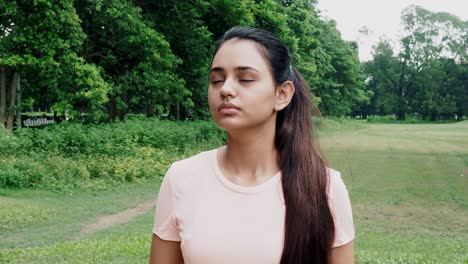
(127, 248)
(407, 184)
(61, 217)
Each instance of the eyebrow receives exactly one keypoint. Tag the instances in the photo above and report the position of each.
(238, 68)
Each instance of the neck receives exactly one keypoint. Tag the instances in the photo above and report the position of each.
(250, 157)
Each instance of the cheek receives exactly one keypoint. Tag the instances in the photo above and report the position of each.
(263, 98)
(212, 103)
(210, 96)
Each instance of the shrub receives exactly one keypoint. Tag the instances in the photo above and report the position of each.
(113, 139)
(71, 156)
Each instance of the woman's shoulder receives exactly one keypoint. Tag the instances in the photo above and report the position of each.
(336, 185)
(183, 172)
(198, 161)
(340, 206)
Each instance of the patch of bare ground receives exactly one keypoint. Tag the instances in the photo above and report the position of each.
(106, 221)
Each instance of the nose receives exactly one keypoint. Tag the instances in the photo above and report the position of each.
(228, 89)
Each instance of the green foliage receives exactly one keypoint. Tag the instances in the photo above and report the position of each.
(85, 58)
(64, 174)
(9, 143)
(428, 76)
(85, 92)
(74, 156)
(328, 63)
(42, 43)
(39, 32)
(69, 139)
(392, 119)
(182, 24)
(340, 86)
(269, 15)
(410, 119)
(221, 15)
(136, 59)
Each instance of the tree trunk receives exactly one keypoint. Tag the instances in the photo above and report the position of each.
(2, 96)
(178, 111)
(401, 115)
(18, 102)
(123, 112)
(401, 112)
(11, 108)
(112, 108)
(56, 118)
(150, 109)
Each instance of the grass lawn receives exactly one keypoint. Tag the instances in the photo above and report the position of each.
(407, 184)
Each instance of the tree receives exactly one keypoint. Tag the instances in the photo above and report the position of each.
(41, 36)
(328, 63)
(416, 79)
(221, 15)
(456, 82)
(136, 59)
(386, 75)
(342, 85)
(182, 26)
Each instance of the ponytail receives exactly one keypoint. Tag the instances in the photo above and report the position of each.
(309, 227)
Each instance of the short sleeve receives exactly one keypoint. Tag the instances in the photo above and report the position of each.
(340, 206)
(164, 222)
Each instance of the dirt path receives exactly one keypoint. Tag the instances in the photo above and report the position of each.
(106, 221)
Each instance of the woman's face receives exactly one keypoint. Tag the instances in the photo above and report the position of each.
(241, 92)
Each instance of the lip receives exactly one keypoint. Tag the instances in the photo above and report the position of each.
(228, 108)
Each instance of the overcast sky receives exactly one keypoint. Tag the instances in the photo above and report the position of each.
(381, 17)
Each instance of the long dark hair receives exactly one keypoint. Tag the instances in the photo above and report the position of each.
(309, 227)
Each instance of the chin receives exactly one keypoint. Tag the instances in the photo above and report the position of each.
(237, 125)
(229, 125)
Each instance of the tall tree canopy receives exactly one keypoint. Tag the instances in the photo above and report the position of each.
(427, 77)
(39, 44)
(102, 59)
(136, 59)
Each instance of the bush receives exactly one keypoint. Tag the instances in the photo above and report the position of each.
(65, 173)
(71, 156)
(410, 119)
(9, 144)
(113, 139)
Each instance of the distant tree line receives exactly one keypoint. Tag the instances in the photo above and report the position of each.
(428, 77)
(103, 59)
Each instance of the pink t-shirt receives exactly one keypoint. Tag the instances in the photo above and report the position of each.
(218, 221)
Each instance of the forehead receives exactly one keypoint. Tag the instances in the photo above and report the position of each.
(240, 52)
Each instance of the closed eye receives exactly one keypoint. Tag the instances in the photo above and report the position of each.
(217, 81)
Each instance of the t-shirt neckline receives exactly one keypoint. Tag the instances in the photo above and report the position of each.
(239, 188)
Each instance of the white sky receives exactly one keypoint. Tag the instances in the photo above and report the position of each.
(382, 17)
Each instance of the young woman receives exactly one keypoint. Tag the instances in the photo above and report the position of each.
(268, 195)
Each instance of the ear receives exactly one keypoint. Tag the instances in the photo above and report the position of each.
(284, 94)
